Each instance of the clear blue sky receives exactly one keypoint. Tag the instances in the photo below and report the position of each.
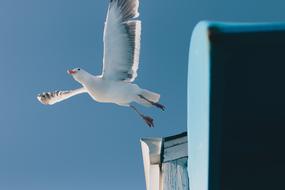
(79, 144)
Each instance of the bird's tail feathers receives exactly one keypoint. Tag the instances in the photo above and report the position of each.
(151, 96)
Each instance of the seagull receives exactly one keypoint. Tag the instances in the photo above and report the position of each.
(122, 33)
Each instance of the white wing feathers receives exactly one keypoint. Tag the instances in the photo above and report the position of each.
(121, 41)
(50, 98)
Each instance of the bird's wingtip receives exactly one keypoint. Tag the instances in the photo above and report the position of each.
(42, 98)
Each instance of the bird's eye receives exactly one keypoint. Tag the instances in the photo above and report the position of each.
(78, 69)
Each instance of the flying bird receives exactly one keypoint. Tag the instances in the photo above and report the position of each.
(122, 33)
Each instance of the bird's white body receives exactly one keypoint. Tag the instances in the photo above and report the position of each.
(120, 93)
(111, 91)
(108, 91)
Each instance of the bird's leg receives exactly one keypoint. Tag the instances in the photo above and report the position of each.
(156, 104)
(148, 120)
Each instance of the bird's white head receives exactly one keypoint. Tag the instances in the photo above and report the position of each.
(80, 75)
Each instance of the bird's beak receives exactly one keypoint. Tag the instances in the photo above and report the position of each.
(71, 72)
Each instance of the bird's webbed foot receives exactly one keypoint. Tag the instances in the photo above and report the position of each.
(160, 106)
(148, 120)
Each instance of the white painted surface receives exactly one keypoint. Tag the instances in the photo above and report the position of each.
(169, 173)
(154, 146)
(175, 152)
(151, 150)
(174, 175)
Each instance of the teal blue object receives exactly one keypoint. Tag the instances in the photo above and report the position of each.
(236, 106)
(198, 107)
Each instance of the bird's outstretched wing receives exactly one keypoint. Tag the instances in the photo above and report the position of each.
(50, 98)
(121, 41)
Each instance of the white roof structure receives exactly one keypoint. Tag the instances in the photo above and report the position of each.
(165, 162)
